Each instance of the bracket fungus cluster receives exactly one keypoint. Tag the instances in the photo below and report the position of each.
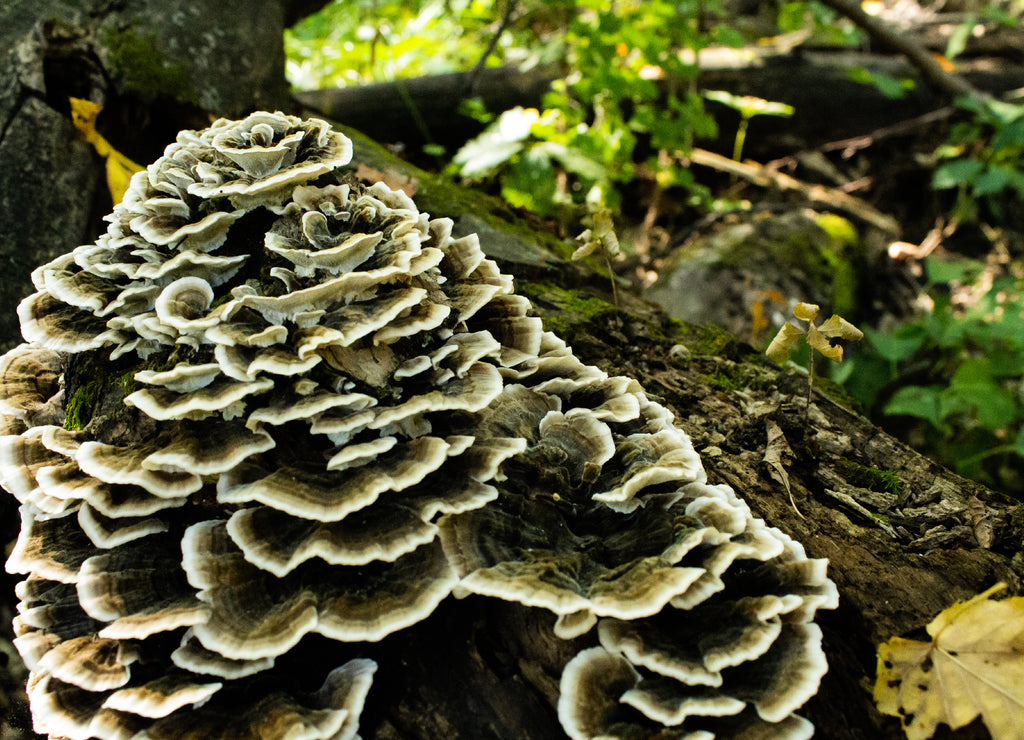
(271, 402)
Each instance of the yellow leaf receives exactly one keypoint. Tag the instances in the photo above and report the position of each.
(83, 117)
(788, 336)
(604, 229)
(587, 245)
(974, 665)
(837, 326)
(119, 175)
(805, 311)
(818, 341)
(119, 168)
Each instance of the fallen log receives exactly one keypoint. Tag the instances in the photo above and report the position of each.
(425, 109)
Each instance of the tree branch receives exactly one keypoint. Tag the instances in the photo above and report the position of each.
(949, 83)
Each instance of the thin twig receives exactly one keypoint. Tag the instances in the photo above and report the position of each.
(764, 177)
(506, 19)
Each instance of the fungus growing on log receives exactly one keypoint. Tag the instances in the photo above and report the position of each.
(271, 401)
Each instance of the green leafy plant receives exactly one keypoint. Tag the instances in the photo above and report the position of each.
(630, 81)
(747, 106)
(983, 160)
(891, 87)
(354, 41)
(958, 369)
(817, 337)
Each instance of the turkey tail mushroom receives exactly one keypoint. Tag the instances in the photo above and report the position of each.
(272, 402)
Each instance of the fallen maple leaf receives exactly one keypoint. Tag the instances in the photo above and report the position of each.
(973, 665)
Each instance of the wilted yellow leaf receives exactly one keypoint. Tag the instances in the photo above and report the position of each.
(974, 665)
(837, 326)
(805, 311)
(785, 340)
(588, 244)
(119, 168)
(817, 341)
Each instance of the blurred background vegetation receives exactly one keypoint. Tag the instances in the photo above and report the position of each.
(628, 112)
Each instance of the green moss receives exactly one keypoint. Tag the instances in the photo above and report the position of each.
(871, 478)
(79, 409)
(579, 304)
(834, 391)
(723, 381)
(98, 383)
(713, 341)
(555, 324)
(439, 196)
(143, 67)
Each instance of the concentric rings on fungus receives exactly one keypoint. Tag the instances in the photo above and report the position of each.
(271, 402)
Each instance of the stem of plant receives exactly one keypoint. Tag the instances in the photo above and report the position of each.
(741, 138)
(737, 145)
(810, 385)
(611, 276)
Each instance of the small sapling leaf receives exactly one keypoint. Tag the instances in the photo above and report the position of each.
(836, 327)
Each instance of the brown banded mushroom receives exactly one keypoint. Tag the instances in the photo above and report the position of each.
(225, 445)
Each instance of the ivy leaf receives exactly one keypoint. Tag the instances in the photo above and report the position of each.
(955, 173)
(973, 665)
(922, 402)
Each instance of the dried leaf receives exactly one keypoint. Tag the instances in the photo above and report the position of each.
(587, 246)
(777, 453)
(604, 229)
(119, 167)
(806, 311)
(974, 665)
(394, 180)
(984, 531)
(839, 327)
(818, 342)
(785, 340)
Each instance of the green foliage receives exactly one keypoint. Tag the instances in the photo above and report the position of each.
(958, 369)
(586, 143)
(822, 25)
(889, 86)
(983, 160)
(353, 41)
(748, 107)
